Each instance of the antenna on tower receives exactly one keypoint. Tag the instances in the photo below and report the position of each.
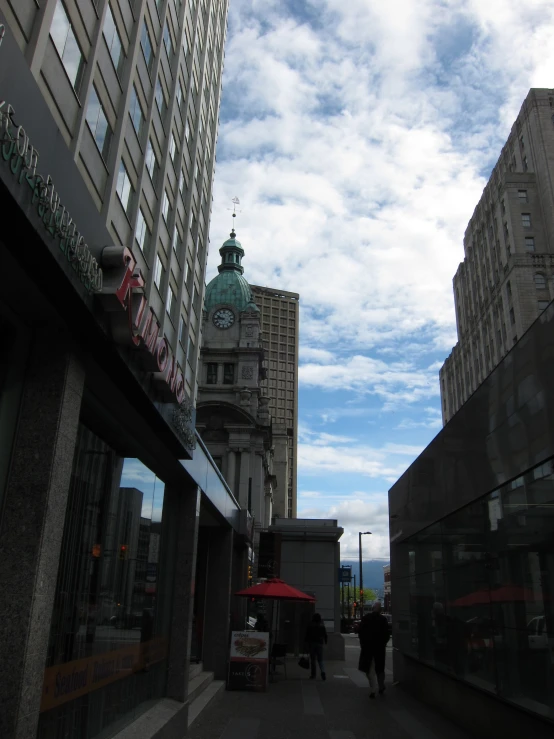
(235, 202)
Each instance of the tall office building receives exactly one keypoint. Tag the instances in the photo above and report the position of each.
(120, 542)
(135, 86)
(280, 314)
(506, 278)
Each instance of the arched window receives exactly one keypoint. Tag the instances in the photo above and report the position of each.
(540, 281)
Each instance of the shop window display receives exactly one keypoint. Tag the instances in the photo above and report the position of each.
(109, 632)
(477, 592)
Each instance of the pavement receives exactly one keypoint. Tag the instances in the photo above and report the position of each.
(339, 708)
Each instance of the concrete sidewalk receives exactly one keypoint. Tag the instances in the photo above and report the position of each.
(340, 708)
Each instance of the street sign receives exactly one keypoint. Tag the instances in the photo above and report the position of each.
(345, 574)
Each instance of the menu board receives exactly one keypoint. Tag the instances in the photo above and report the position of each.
(249, 660)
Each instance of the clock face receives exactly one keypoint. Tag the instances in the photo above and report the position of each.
(223, 318)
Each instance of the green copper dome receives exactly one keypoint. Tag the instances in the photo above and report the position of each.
(230, 287)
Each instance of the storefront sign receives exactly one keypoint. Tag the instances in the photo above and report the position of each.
(140, 326)
(68, 681)
(249, 658)
(22, 159)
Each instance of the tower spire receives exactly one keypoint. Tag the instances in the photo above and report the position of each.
(235, 202)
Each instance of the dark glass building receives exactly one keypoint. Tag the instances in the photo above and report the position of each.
(472, 552)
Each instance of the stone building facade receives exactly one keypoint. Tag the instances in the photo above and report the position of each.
(233, 410)
(507, 277)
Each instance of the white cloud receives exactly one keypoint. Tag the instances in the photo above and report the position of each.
(359, 136)
(354, 515)
(396, 382)
(387, 462)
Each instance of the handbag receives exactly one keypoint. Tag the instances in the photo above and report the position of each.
(304, 662)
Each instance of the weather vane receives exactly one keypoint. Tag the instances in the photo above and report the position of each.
(235, 202)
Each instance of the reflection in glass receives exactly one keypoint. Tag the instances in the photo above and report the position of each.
(108, 640)
(479, 592)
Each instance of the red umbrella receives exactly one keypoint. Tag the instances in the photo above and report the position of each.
(504, 594)
(275, 589)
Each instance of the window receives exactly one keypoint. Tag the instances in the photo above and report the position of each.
(142, 233)
(540, 281)
(63, 36)
(529, 243)
(509, 289)
(522, 196)
(185, 44)
(190, 349)
(167, 41)
(179, 93)
(172, 148)
(512, 317)
(175, 239)
(171, 301)
(187, 130)
(211, 375)
(181, 330)
(124, 188)
(135, 111)
(543, 304)
(228, 373)
(146, 46)
(158, 271)
(151, 161)
(526, 220)
(113, 41)
(98, 124)
(525, 165)
(94, 545)
(181, 182)
(502, 206)
(160, 98)
(165, 206)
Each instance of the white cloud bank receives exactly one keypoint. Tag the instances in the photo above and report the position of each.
(358, 136)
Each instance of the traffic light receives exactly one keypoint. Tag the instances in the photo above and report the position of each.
(361, 594)
(249, 572)
(355, 604)
(123, 549)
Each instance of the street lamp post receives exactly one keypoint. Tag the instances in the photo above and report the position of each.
(360, 534)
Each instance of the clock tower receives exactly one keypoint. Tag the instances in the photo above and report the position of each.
(232, 414)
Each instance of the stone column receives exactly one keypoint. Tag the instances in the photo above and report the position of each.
(231, 461)
(242, 492)
(218, 601)
(31, 526)
(239, 580)
(184, 506)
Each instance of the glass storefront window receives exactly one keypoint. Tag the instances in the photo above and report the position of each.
(477, 592)
(109, 633)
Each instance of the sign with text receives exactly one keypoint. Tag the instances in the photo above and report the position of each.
(249, 659)
(345, 574)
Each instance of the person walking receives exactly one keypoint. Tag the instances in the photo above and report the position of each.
(316, 637)
(373, 635)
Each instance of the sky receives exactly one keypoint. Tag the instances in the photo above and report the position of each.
(358, 137)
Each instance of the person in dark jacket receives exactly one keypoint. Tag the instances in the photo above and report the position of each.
(373, 635)
(316, 637)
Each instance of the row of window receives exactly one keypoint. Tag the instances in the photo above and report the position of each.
(212, 373)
